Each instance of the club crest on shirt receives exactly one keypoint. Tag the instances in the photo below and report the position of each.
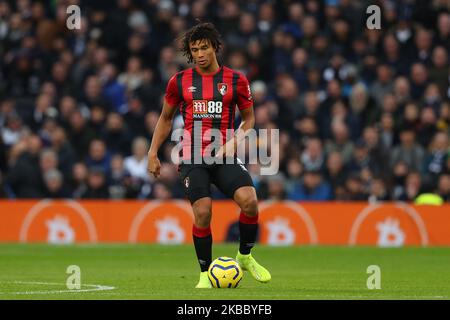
(186, 182)
(223, 88)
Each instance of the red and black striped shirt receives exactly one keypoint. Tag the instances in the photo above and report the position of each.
(210, 99)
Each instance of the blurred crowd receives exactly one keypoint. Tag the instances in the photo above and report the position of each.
(363, 114)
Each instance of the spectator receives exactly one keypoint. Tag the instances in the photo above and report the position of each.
(341, 142)
(362, 160)
(336, 173)
(402, 91)
(439, 69)
(392, 54)
(436, 157)
(378, 191)
(151, 119)
(42, 111)
(133, 77)
(427, 127)
(371, 139)
(382, 85)
(98, 156)
(13, 130)
(423, 43)
(288, 100)
(24, 177)
(442, 37)
(410, 116)
(48, 160)
(116, 135)
(120, 183)
(7, 108)
(443, 122)
(408, 151)
(136, 164)
(113, 90)
(432, 98)
(4, 190)
(316, 73)
(96, 184)
(354, 189)
(412, 188)
(294, 171)
(149, 91)
(312, 188)
(313, 157)
(54, 184)
(135, 116)
(67, 106)
(78, 183)
(97, 119)
(63, 149)
(444, 187)
(387, 133)
(419, 80)
(274, 187)
(169, 176)
(93, 93)
(333, 95)
(362, 105)
(161, 191)
(299, 63)
(80, 134)
(340, 113)
(310, 106)
(398, 178)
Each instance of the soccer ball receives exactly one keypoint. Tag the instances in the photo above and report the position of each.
(225, 272)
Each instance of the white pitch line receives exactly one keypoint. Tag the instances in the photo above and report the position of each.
(96, 287)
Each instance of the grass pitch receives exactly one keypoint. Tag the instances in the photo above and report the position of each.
(170, 272)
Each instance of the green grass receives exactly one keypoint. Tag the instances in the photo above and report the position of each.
(171, 272)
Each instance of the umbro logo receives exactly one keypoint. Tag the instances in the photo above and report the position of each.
(192, 89)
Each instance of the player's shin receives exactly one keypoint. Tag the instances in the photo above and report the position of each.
(248, 228)
(203, 246)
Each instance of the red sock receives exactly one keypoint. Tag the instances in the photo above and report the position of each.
(247, 219)
(203, 246)
(201, 232)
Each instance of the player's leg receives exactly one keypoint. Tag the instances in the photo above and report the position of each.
(196, 182)
(235, 181)
(246, 198)
(201, 234)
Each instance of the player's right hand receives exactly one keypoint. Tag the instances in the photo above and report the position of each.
(153, 166)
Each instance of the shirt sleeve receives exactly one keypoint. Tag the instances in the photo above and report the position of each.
(244, 95)
(172, 95)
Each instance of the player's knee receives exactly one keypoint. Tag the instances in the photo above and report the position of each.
(203, 218)
(249, 205)
(202, 213)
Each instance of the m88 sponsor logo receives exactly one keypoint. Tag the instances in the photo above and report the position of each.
(207, 109)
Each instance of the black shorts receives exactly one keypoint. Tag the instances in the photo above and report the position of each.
(197, 179)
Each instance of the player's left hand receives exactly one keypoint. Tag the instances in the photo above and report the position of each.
(153, 166)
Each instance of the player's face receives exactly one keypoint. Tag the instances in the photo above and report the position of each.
(203, 53)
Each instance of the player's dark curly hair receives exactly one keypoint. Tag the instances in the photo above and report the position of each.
(201, 31)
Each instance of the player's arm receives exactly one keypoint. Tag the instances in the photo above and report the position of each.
(247, 123)
(162, 131)
(245, 106)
